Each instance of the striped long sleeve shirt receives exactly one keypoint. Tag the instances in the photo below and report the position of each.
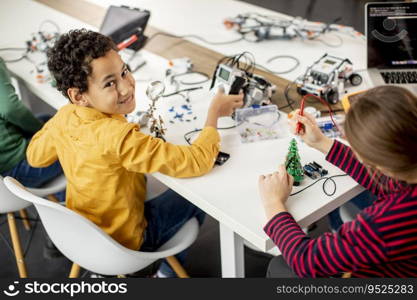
(380, 242)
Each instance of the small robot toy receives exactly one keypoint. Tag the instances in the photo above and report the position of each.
(326, 78)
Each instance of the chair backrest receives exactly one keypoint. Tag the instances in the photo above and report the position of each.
(8, 201)
(82, 241)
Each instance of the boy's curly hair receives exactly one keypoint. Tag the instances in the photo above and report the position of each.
(69, 59)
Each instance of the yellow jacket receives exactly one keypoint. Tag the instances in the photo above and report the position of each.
(104, 158)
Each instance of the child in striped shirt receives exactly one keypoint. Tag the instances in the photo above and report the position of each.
(381, 128)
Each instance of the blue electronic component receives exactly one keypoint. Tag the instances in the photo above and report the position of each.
(178, 116)
(310, 172)
(329, 129)
(328, 126)
(314, 170)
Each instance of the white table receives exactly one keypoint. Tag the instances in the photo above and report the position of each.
(228, 193)
(205, 19)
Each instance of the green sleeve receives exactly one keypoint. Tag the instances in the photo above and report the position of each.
(12, 109)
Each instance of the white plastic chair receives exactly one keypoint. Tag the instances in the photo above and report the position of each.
(9, 204)
(90, 247)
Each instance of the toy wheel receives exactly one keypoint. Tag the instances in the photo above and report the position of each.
(331, 96)
(355, 79)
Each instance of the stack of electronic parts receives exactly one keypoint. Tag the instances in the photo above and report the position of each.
(257, 117)
(314, 170)
(39, 44)
(327, 126)
(257, 27)
(235, 74)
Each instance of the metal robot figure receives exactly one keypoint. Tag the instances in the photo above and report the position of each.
(154, 91)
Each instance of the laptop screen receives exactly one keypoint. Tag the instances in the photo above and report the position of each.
(121, 22)
(391, 30)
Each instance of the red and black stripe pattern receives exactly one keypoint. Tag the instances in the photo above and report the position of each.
(380, 242)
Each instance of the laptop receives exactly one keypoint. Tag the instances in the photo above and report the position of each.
(121, 23)
(391, 32)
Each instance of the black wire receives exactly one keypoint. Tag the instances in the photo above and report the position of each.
(187, 139)
(250, 61)
(287, 97)
(24, 55)
(207, 78)
(194, 37)
(14, 49)
(15, 60)
(85, 273)
(245, 30)
(32, 232)
(295, 59)
(263, 125)
(285, 106)
(340, 44)
(234, 60)
(332, 111)
(58, 30)
(326, 179)
(251, 65)
(183, 90)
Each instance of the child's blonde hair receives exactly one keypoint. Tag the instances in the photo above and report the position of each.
(381, 127)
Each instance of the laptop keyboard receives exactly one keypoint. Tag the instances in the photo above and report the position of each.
(399, 77)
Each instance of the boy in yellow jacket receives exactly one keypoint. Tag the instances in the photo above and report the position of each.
(104, 157)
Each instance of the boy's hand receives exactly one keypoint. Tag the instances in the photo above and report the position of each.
(275, 189)
(224, 104)
(310, 132)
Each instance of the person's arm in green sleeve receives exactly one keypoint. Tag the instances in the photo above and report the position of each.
(11, 108)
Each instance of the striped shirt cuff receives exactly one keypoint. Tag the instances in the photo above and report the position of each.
(277, 222)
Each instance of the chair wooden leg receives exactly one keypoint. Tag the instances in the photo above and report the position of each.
(75, 271)
(52, 198)
(16, 246)
(25, 220)
(176, 266)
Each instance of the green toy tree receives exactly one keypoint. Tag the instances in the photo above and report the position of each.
(293, 163)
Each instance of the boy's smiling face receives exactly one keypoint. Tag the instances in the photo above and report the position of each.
(111, 87)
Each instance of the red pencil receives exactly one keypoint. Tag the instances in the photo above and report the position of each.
(301, 113)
